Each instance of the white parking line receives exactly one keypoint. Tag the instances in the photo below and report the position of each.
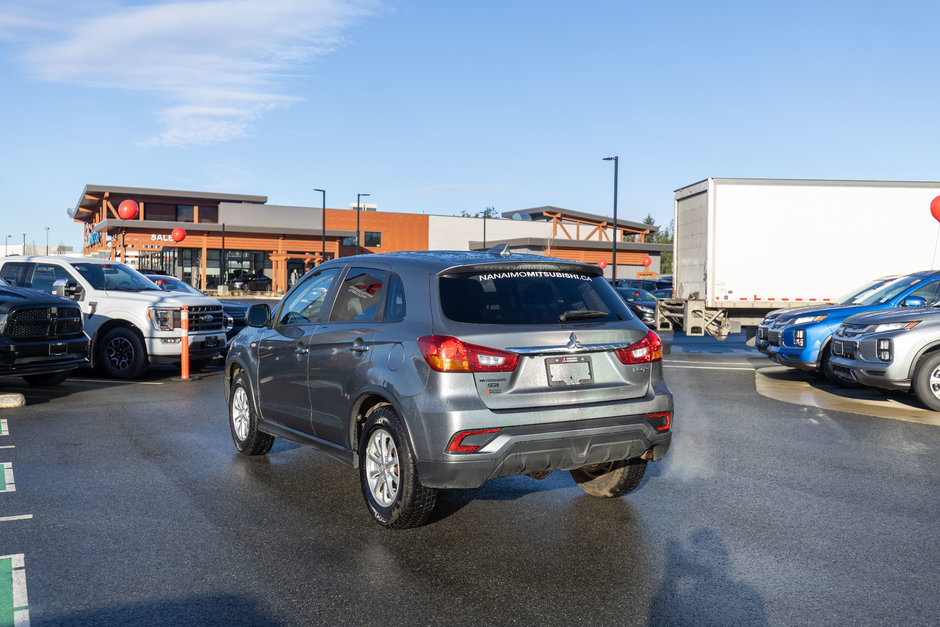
(8, 446)
(110, 383)
(6, 481)
(20, 602)
(15, 518)
(3, 427)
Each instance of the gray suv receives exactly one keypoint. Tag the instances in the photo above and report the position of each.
(898, 349)
(430, 370)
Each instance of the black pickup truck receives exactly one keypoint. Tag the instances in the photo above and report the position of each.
(41, 336)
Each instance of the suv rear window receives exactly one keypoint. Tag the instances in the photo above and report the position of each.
(529, 297)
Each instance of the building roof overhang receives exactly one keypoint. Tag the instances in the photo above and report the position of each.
(92, 195)
(545, 213)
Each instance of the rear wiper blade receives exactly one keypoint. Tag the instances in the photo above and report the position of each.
(581, 315)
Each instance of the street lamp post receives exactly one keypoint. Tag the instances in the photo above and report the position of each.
(323, 223)
(24, 243)
(47, 240)
(358, 209)
(6, 246)
(616, 160)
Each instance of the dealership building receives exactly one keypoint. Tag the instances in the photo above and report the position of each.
(209, 239)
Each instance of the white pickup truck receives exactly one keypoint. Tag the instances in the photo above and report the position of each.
(131, 322)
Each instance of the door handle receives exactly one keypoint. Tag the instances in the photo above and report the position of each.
(359, 348)
(301, 350)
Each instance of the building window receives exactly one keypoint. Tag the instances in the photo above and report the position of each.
(209, 214)
(185, 213)
(159, 211)
(372, 239)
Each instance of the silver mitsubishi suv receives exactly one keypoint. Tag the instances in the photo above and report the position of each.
(431, 370)
(896, 349)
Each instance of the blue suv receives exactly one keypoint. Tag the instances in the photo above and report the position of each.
(799, 338)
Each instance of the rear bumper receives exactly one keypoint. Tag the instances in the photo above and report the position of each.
(547, 447)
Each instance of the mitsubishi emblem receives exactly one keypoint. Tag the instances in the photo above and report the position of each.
(573, 343)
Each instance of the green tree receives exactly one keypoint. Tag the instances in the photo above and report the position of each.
(663, 236)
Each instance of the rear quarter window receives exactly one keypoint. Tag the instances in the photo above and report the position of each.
(528, 297)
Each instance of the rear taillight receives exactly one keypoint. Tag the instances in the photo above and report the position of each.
(647, 350)
(448, 354)
(661, 421)
(470, 441)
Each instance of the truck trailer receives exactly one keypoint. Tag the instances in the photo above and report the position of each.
(745, 247)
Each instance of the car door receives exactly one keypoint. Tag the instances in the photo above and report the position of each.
(341, 351)
(283, 353)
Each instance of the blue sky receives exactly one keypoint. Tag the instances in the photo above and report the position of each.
(440, 107)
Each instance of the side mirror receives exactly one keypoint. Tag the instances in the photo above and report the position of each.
(65, 289)
(258, 315)
(914, 301)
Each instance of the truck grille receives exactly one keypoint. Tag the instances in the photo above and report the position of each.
(201, 318)
(43, 322)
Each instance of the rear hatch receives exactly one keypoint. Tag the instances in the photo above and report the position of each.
(544, 334)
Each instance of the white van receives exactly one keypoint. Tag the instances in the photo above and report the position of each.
(131, 321)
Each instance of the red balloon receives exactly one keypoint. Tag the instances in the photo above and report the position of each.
(647, 261)
(127, 210)
(178, 234)
(935, 208)
(602, 263)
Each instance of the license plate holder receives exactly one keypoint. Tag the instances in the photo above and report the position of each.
(57, 348)
(569, 370)
(212, 341)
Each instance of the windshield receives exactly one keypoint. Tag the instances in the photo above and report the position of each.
(631, 294)
(172, 284)
(856, 296)
(884, 292)
(114, 276)
(529, 297)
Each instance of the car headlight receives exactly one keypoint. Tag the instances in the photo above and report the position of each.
(808, 319)
(895, 326)
(229, 322)
(645, 309)
(161, 319)
(3, 321)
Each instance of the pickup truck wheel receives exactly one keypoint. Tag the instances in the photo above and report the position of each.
(121, 354)
(51, 378)
(388, 474)
(831, 375)
(926, 382)
(610, 479)
(243, 420)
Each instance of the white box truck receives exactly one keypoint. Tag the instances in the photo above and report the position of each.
(744, 247)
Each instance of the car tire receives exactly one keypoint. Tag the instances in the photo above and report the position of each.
(388, 474)
(825, 366)
(926, 381)
(121, 354)
(243, 420)
(49, 378)
(610, 479)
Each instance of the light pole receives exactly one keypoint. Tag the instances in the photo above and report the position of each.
(47, 240)
(24, 243)
(323, 223)
(6, 246)
(358, 208)
(616, 160)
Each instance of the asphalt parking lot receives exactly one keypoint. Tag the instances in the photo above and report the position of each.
(130, 506)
